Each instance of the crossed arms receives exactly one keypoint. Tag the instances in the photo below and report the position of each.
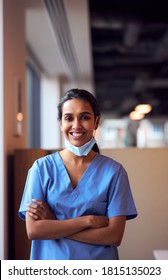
(41, 224)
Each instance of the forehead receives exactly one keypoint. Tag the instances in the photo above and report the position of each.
(76, 106)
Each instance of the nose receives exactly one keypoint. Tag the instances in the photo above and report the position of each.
(76, 123)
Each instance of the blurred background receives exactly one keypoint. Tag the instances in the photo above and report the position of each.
(116, 49)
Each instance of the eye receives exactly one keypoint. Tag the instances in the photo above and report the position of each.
(68, 118)
(85, 117)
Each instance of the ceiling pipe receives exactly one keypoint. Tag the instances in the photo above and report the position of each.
(131, 35)
(59, 21)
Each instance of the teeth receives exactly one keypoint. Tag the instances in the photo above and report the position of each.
(77, 134)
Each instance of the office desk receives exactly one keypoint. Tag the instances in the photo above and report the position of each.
(160, 254)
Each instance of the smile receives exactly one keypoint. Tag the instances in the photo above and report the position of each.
(77, 134)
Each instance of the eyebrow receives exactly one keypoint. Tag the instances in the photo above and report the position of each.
(69, 114)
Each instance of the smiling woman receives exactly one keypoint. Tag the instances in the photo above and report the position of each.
(78, 122)
(77, 200)
(80, 109)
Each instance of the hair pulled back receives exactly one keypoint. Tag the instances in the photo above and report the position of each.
(83, 95)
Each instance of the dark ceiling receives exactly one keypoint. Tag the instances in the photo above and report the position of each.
(130, 55)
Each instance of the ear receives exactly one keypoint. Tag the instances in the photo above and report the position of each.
(97, 121)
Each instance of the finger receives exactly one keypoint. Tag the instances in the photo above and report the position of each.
(34, 216)
(39, 202)
(38, 210)
(31, 205)
(34, 211)
(35, 208)
(31, 210)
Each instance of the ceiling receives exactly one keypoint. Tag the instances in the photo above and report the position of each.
(58, 38)
(119, 46)
(130, 55)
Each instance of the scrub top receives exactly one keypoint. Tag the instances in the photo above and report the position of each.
(102, 190)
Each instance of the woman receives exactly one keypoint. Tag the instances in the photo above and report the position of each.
(81, 199)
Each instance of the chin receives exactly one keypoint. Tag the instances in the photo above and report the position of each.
(77, 143)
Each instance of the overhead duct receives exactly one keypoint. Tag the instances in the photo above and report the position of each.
(131, 35)
(57, 15)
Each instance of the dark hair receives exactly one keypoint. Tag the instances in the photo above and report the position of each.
(84, 95)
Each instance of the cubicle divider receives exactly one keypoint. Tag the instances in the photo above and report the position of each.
(23, 159)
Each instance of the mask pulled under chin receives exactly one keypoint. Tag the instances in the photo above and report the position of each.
(82, 150)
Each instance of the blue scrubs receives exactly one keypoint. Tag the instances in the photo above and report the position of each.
(103, 190)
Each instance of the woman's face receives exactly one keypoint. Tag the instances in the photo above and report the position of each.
(78, 121)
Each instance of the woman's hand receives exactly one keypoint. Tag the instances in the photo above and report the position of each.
(98, 221)
(39, 210)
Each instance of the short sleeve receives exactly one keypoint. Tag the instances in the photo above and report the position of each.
(121, 200)
(33, 189)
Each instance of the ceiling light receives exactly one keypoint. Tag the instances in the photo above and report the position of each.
(135, 115)
(143, 108)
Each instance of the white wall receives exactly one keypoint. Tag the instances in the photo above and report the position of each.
(1, 138)
(50, 130)
(148, 174)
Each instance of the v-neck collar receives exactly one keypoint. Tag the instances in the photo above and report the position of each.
(64, 174)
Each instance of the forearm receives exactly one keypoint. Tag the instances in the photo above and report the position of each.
(100, 236)
(53, 229)
(110, 235)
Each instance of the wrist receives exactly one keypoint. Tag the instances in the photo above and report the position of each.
(89, 221)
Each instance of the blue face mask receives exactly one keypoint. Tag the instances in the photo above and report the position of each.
(82, 150)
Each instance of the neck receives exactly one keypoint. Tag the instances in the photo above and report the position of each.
(77, 159)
